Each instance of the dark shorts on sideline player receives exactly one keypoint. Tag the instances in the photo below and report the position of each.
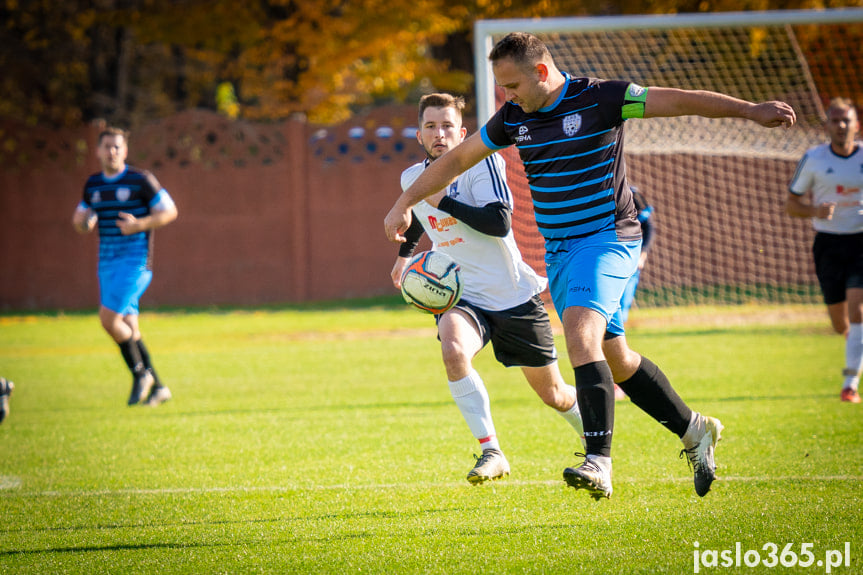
(838, 264)
(520, 336)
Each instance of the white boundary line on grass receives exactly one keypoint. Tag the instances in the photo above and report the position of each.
(10, 483)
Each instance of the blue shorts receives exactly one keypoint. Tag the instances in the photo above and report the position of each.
(121, 286)
(629, 296)
(592, 272)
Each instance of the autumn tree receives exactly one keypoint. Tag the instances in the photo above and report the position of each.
(70, 61)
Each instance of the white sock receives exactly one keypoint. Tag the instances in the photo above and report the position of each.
(573, 416)
(853, 356)
(471, 398)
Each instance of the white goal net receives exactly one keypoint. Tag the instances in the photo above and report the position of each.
(718, 186)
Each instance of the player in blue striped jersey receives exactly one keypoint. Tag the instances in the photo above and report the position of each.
(569, 134)
(126, 204)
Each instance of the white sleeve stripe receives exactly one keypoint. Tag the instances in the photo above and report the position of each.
(501, 190)
(162, 201)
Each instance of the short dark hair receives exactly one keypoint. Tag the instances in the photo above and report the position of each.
(441, 100)
(114, 131)
(521, 47)
(842, 104)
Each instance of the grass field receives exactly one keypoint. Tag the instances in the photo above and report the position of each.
(316, 440)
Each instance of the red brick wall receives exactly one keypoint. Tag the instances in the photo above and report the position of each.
(268, 213)
(292, 213)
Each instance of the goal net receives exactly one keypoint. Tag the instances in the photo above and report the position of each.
(718, 186)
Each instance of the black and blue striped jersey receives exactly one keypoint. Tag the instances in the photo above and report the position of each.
(573, 157)
(133, 191)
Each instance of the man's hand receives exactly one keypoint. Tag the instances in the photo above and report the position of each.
(824, 211)
(398, 220)
(773, 114)
(84, 220)
(129, 224)
(398, 271)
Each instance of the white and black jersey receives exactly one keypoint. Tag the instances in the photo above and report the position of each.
(494, 275)
(833, 179)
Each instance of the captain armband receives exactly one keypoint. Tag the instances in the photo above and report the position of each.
(633, 102)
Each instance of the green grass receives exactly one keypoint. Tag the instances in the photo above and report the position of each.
(324, 440)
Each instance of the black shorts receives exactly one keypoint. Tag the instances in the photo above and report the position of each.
(838, 264)
(520, 336)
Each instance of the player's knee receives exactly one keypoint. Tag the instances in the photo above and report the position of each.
(108, 322)
(454, 354)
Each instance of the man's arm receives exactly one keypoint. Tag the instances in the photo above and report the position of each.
(437, 176)
(129, 224)
(668, 102)
(162, 213)
(406, 250)
(494, 219)
(83, 220)
(796, 207)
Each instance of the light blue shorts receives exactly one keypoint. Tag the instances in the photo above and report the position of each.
(121, 287)
(592, 272)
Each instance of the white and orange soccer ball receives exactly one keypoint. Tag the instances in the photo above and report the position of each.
(432, 282)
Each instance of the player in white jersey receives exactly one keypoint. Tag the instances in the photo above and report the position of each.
(471, 221)
(828, 188)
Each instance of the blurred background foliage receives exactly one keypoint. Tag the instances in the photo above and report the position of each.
(67, 62)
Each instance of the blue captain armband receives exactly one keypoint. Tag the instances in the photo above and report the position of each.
(633, 102)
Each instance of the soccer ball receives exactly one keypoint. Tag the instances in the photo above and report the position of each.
(432, 282)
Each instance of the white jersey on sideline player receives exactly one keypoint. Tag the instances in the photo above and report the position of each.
(835, 180)
(493, 273)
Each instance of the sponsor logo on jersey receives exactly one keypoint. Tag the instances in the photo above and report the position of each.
(843, 191)
(571, 124)
(451, 243)
(123, 194)
(523, 136)
(635, 90)
(443, 224)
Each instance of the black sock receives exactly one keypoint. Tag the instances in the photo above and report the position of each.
(132, 355)
(650, 390)
(145, 358)
(595, 387)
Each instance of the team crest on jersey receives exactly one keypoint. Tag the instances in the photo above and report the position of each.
(453, 190)
(572, 124)
(123, 194)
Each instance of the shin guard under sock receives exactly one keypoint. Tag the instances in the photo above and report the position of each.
(595, 386)
(650, 390)
(145, 358)
(132, 356)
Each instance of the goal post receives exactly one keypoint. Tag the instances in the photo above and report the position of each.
(718, 186)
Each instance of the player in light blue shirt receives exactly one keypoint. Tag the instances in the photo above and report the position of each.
(126, 205)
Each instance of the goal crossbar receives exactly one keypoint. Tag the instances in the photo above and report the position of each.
(485, 30)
